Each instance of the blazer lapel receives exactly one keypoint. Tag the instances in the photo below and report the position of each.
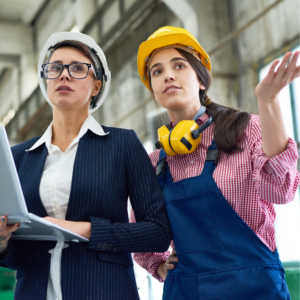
(30, 177)
(75, 208)
(86, 172)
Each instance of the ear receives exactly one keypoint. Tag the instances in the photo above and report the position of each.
(96, 88)
(202, 87)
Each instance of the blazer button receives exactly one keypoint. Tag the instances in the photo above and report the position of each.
(99, 245)
(109, 246)
(104, 246)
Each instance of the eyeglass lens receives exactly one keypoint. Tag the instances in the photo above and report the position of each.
(77, 71)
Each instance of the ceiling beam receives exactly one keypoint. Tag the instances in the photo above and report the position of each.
(9, 61)
(15, 39)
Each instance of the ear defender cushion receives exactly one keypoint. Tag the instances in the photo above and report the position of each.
(163, 139)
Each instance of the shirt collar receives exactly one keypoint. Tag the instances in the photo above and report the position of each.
(89, 124)
(199, 121)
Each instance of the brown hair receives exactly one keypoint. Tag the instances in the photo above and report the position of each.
(230, 123)
(77, 45)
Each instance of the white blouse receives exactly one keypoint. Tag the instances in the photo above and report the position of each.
(55, 190)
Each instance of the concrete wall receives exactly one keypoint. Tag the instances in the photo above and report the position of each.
(234, 66)
(277, 29)
(127, 90)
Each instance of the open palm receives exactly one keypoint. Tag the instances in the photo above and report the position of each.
(269, 88)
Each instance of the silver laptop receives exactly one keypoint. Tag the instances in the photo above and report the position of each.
(12, 204)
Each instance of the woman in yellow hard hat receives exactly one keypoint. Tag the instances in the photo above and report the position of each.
(220, 171)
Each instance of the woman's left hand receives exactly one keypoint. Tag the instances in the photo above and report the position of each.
(80, 228)
(268, 89)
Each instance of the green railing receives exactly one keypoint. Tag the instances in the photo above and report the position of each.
(292, 275)
(7, 284)
(292, 272)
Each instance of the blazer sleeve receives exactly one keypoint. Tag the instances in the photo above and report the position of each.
(12, 258)
(152, 231)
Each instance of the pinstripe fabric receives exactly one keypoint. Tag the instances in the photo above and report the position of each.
(107, 170)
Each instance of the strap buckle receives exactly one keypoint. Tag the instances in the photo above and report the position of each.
(161, 167)
(212, 155)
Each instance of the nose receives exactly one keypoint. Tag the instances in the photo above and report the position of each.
(169, 76)
(65, 75)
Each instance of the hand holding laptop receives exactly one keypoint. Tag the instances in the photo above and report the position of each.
(80, 228)
(13, 208)
(6, 232)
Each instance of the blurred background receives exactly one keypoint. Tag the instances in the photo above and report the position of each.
(242, 38)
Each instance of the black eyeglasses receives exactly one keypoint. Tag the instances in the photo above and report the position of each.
(76, 70)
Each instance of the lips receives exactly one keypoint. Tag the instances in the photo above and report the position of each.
(171, 88)
(64, 88)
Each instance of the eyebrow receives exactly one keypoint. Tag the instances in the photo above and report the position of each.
(172, 60)
(72, 62)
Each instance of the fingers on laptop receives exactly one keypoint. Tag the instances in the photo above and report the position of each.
(9, 228)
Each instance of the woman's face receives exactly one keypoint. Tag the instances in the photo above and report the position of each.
(67, 92)
(174, 82)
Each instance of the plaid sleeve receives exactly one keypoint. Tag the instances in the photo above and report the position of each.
(276, 178)
(149, 261)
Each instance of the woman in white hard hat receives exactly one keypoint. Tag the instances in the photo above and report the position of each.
(220, 171)
(79, 176)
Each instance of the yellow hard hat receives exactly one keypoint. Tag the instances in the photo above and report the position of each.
(169, 37)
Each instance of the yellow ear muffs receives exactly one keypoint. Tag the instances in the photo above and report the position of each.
(178, 140)
(181, 139)
(163, 139)
(184, 138)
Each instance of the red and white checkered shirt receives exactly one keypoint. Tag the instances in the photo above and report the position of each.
(249, 181)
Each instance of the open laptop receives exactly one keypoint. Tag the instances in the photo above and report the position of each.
(12, 204)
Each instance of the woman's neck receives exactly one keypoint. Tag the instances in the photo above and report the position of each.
(66, 126)
(186, 113)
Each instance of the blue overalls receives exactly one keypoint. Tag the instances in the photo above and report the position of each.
(219, 255)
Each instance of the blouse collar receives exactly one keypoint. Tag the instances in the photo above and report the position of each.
(90, 123)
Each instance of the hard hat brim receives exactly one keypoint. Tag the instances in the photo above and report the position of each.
(150, 45)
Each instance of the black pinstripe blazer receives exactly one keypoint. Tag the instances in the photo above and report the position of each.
(107, 170)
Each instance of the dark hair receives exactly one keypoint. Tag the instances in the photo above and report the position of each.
(230, 123)
(77, 45)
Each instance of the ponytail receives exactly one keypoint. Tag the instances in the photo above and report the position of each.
(230, 123)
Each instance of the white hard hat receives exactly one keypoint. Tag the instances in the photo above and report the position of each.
(94, 50)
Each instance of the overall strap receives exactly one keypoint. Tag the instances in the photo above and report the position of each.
(162, 170)
(211, 161)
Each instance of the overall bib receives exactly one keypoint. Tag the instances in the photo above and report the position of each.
(219, 255)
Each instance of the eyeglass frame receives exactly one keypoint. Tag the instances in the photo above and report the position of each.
(90, 66)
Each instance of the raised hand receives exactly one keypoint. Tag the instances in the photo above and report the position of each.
(268, 89)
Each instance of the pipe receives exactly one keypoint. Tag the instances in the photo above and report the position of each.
(237, 32)
(185, 13)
